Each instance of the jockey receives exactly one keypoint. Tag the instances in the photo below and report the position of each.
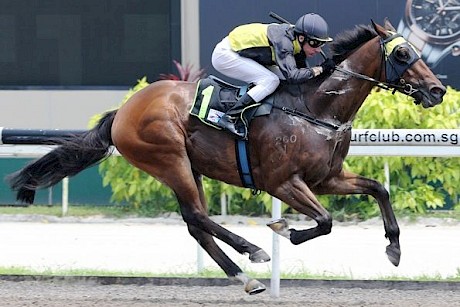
(251, 50)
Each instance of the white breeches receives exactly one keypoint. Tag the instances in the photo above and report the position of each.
(231, 64)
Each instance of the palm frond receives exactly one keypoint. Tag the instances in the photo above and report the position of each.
(186, 73)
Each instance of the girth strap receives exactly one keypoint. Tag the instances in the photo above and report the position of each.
(243, 162)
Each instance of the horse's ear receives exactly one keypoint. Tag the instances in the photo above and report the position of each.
(379, 29)
(374, 25)
(388, 25)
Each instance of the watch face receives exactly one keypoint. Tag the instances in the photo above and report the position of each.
(439, 19)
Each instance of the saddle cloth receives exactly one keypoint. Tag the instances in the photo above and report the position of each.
(214, 97)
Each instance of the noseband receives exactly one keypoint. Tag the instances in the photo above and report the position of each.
(394, 66)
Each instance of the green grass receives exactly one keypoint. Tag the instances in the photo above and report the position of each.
(207, 273)
(441, 214)
(73, 272)
(77, 211)
(124, 211)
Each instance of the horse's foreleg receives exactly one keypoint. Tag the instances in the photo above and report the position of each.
(349, 183)
(297, 194)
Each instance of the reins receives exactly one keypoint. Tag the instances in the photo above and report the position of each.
(308, 118)
(383, 85)
(405, 88)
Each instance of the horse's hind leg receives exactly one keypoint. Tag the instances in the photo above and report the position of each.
(297, 194)
(177, 174)
(251, 286)
(195, 213)
(349, 183)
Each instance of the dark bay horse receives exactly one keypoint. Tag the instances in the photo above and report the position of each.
(293, 157)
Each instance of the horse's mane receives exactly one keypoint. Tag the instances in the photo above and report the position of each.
(347, 41)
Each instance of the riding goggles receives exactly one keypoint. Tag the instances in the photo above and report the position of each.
(314, 43)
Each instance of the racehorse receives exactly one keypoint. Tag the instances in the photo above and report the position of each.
(296, 152)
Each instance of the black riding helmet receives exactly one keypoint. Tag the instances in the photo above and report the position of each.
(312, 26)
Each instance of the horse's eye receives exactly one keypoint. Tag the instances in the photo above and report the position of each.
(402, 54)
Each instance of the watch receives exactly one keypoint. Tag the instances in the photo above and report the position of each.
(433, 27)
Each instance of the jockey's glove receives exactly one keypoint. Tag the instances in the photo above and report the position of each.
(317, 70)
(328, 65)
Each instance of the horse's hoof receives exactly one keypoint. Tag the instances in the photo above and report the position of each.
(394, 254)
(254, 287)
(259, 256)
(277, 225)
(280, 227)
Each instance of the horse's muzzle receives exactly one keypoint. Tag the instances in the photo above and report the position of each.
(433, 97)
(438, 92)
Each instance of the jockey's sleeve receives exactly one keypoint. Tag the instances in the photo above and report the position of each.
(284, 49)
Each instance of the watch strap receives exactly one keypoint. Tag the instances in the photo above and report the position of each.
(431, 54)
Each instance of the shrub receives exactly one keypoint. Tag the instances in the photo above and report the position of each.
(416, 184)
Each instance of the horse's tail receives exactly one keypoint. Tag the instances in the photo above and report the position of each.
(73, 155)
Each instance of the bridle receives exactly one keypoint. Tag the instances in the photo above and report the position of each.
(394, 67)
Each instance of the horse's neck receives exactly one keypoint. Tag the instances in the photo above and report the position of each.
(339, 97)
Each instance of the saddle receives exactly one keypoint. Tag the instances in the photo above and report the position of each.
(214, 97)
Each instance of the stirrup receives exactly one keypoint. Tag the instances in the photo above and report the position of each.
(226, 122)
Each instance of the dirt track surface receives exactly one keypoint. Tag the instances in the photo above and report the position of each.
(60, 293)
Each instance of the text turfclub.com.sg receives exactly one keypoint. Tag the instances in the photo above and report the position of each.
(395, 136)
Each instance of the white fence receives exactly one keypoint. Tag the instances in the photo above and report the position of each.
(365, 142)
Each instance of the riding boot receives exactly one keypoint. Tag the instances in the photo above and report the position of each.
(240, 104)
(228, 122)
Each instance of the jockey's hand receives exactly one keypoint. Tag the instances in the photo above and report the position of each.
(328, 66)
